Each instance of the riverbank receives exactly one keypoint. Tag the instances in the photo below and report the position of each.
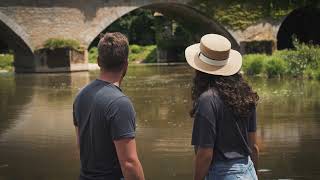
(304, 62)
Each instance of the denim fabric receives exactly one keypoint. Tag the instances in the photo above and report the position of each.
(233, 169)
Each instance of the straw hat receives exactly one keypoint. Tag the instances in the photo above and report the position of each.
(213, 55)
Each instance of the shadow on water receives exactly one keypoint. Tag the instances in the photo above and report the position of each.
(35, 125)
(14, 95)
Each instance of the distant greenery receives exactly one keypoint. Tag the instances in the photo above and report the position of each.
(144, 54)
(93, 55)
(137, 25)
(6, 62)
(138, 54)
(239, 14)
(304, 61)
(54, 43)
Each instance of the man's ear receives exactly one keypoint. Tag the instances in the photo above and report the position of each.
(99, 63)
(125, 68)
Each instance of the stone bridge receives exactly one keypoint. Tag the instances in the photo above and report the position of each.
(26, 25)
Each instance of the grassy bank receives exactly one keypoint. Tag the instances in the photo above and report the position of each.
(304, 62)
(138, 54)
(6, 62)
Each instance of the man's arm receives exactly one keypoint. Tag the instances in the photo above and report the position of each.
(202, 162)
(128, 158)
(255, 149)
(77, 136)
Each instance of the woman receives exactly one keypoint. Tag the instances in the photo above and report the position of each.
(224, 112)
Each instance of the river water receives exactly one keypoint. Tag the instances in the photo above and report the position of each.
(37, 138)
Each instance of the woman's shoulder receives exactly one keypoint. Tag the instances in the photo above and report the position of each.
(212, 92)
(209, 95)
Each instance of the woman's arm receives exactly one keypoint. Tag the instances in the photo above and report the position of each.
(202, 162)
(255, 149)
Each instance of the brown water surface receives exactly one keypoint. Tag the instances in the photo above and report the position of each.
(37, 139)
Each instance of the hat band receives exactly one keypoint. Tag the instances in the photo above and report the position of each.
(213, 62)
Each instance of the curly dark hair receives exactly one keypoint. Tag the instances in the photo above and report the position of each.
(234, 91)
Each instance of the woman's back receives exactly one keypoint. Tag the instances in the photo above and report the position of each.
(216, 126)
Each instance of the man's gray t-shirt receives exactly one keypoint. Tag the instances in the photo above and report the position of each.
(103, 114)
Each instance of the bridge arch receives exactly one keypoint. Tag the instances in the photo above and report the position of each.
(302, 23)
(182, 13)
(14, 35)
(16, 39)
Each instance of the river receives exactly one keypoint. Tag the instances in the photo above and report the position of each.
(37, 137)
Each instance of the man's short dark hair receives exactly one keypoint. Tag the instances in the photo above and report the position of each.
(113, 49)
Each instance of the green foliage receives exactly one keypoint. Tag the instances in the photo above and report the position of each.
(93, 55)
(6, 62)
(137, 25)
(138, 54)
(239, 14)
(275, 67)
(54, 43)
(304, 61)
(146, 54)
(317, 74)
(253, 64)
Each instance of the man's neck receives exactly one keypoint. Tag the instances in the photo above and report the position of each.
(111, 77)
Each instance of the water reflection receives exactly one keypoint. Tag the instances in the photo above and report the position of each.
(37, 136)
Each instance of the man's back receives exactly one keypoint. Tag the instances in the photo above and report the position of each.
(102, 114)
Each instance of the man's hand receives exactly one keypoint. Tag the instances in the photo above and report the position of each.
(202, 162)
(128, 158)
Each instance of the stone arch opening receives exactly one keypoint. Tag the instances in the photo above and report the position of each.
(13, 37)
(182, 13)
(302, 23)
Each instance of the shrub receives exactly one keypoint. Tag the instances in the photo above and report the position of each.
(6, 61)
(145, 54)
(275, 66)
(253, 64)
(136, 49)
(54, 43)
(304, 58)
(317, 74)
(93, 55)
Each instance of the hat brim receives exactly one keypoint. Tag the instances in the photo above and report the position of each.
(232, 67)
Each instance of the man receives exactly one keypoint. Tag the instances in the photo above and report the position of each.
(104, 118)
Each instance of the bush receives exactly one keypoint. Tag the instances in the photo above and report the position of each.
(253, 64)
(144, 54)
(304, 58)
(136, 49)
(93, 55)
(317, 74)
(54, 43)
(6, 62)
(275, 66)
